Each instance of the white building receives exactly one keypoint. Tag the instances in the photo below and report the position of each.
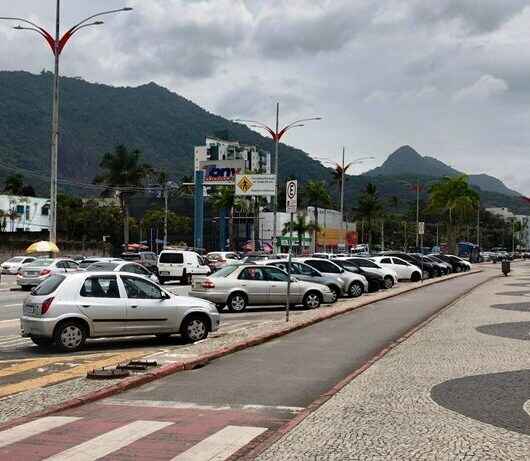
(256, 160)
(507, 215)
(28, 214)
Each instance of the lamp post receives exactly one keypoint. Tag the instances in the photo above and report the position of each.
(343, 169)
(57, 45)
(418, 188)
(276, 135)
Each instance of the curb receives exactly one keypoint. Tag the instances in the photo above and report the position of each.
(263, 445)
(136, 381)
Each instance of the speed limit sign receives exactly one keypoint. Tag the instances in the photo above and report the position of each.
(291, 199)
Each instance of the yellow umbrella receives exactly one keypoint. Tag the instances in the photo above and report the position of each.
(42, 247)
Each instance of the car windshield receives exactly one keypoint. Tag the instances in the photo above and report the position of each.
(15, 260)
(225, 271)
(41, 263)
(48, 286)
(131, 257)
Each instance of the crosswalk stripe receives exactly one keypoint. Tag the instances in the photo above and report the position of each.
(221, 445)
(9, 342)
(24, 431)
(110, 442)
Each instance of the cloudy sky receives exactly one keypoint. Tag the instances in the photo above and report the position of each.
(449, 77)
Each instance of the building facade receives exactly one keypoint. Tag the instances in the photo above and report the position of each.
(507, 215)
(28, 214)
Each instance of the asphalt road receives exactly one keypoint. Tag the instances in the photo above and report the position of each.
(294, 370)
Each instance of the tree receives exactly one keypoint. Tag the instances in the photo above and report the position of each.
(453, 198)
(338, 175)
(224, 198)
(14, 184)
(177, 225)
(125, 173)
(316, 195)
(301, 226)
(370, 208)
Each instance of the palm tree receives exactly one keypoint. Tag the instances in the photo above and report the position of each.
(124, 172)
(370, 208)
(316, 195)
(338, 175)
(14, 184)
(301, 226)
(224, 199)
(453, 198)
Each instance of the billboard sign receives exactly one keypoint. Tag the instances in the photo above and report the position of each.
(255, 185)
(221, 172)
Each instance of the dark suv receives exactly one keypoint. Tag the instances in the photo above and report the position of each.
(147, 259)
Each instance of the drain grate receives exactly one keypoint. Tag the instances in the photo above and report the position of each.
(107, 374)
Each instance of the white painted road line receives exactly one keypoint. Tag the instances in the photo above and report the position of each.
(221, 445)
(39, 426)
(110, 442)
(11, 305)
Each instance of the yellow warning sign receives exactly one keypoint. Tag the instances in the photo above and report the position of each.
(245, 184)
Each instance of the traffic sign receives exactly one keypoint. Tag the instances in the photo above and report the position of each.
(255, 185)
(291, 196)
(421, 228)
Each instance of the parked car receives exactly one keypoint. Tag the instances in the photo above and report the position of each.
(448, 267)
(239, 286)
(65, 311)
(466, 264)
(219, 259)
(251, 258)
(376, 282)
(13, 265)
(354, 284)
(147, 259)
(34, 273)
(181, 265)
(404, 270)
(439, 268)
(390, 277)
(307, 273)
(429, 269)
(123, 266)
(89, 261)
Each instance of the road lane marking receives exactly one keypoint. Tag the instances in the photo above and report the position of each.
(222, 444)
(192, 406)
(79, 370)
(11, 305)
(24, 431)
(110, 442)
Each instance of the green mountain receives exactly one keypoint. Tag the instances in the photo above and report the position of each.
(167, 127)
(406, 161)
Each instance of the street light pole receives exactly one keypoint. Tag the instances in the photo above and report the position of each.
(417, 213)
(276, 135)
(343, 177)
(57, 45)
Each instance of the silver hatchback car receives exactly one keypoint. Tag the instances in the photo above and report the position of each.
(240, 286)
(68, 309)
(33, 274)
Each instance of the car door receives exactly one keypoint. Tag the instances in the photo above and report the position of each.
(149, 309)
(277, 285)
(255, 284)
(403, 268)
(101, 300)
(390, 263)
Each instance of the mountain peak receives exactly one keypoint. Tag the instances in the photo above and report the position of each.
(405, 152)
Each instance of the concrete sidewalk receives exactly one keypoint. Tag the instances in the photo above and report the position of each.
(457, 389)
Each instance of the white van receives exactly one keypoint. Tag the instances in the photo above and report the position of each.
(180, 265)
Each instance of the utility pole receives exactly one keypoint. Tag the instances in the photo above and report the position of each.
(417, 213)
(478, 225)
(343, 177)
(166, 197)
(276, 149)
(382, 236)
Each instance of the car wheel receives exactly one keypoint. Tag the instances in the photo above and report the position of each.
(42, 342)
(415, 277)
(194, 328)
(70, 336)
(237, 302)
(312, 300)
(389, 282)
(356, 289)
(458, 269)
(336, 293)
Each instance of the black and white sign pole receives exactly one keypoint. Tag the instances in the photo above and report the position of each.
(291, 207)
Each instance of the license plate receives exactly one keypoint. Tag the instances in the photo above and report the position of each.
(30, 309)
(164, 273)
(32, 274)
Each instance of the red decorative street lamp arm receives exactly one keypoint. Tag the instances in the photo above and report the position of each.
(47, 36)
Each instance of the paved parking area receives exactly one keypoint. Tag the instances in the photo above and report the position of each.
(457, 389)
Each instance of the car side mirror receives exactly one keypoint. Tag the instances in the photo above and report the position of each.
(165, 297)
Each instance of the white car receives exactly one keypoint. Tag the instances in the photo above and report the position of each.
(181, 265)
(66, 310)
(34, 273)
(390, 276)
(354, 285)
(403, 269)
(123, 266)
(13, 265)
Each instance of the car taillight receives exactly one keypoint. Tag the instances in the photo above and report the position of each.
(46, 306)
(45, 271)
(208, 284)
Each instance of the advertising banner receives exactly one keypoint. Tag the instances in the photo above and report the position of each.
(221, 172)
